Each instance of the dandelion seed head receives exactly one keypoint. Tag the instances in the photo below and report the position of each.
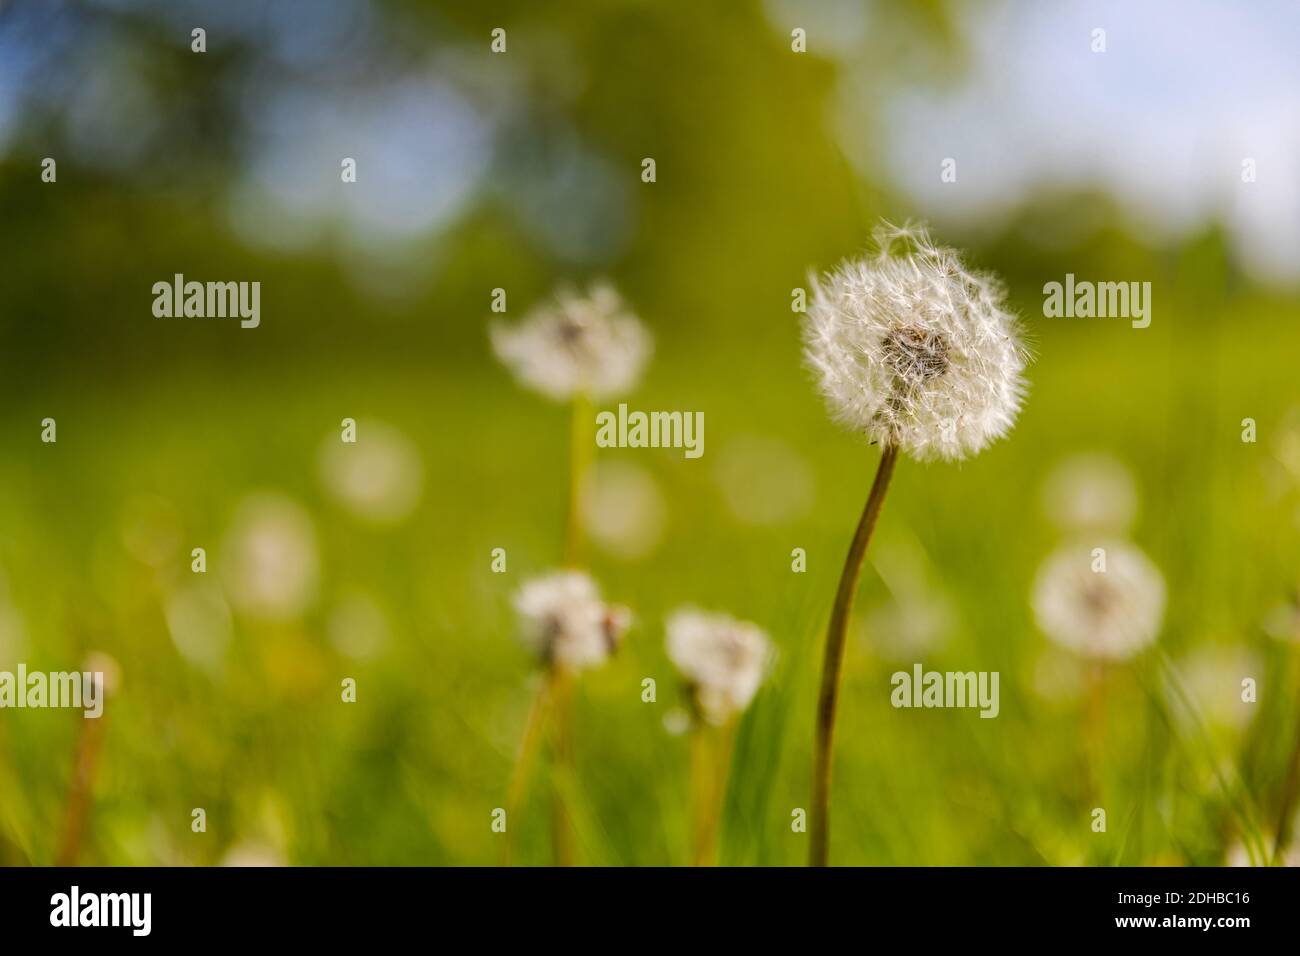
(910, 348)
(576, 345)
(723, 660)
(1111, 614)
(564, 621)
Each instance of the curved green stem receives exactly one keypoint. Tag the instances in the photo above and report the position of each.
(828, 698)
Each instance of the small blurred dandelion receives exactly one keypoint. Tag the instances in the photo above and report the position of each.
(379, 479)
(1092, 491)
(566, 624)
(271, 565)
(579, 346)
(1108, 615)
(921, 355)
(623, 510)
(577, 349)
(1104, 617)
(723, 661)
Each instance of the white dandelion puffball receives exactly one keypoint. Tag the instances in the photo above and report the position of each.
(1110, 614)
(271, 565)
(565, 622)
(912, 350)
(576, 346)
(723, 660)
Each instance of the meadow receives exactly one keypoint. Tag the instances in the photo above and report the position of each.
(180, 434)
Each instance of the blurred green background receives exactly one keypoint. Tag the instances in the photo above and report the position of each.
(520, 171)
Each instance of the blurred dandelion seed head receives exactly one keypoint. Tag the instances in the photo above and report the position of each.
(723, 660)
(564, 621)
(623, 509)
(380, 478)
(911, 349)
(1112, 614)
(1210, 678)
(588, 345)
(271, 565)
(1091, 491)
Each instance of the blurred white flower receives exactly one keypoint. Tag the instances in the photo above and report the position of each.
(723, 660)
(358, 627)
(270, 563)
(1111, 614)
(380, 477)
(1091, 492)
(579, 345)
(623, 509)
(564, 621)
(198, 619)
(1209, 687)
(764, 481)
(911, 349)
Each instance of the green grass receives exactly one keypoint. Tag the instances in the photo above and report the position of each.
(411, 773)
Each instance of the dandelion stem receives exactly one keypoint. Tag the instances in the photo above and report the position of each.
(523, 760)
(90, 742)
(819, 853)
(581, 443)
(710, 758)
(562, 765)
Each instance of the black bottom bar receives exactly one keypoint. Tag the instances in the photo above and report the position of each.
(336, 905)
